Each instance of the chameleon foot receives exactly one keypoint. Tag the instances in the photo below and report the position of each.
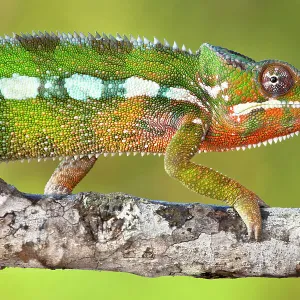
(249, 210)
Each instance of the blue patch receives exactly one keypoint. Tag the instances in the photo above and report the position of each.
(83, 87)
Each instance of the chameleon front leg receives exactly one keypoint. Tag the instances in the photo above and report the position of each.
(206, 181)
(68, 174)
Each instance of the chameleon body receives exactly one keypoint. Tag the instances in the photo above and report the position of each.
(78, 97)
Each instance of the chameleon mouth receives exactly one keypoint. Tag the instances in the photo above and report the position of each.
(266, 136)
(270, 141)
(246, 108)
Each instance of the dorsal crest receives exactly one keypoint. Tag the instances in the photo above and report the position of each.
(231, 57)
(48, 41)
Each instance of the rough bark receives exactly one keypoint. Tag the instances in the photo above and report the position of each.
(119, 232)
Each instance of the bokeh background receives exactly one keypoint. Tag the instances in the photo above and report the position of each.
(259, 29)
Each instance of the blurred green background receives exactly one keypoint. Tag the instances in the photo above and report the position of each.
(259, 29)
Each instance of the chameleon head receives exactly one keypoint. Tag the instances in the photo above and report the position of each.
(252, 103)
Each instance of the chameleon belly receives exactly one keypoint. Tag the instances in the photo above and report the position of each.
(71, 127)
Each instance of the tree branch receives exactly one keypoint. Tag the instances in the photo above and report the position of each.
(119, 232)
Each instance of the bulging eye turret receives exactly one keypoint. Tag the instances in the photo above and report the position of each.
(276, 80)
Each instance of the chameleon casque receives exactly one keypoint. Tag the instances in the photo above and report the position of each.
(76, 97)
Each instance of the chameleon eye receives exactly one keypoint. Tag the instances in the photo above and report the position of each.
(276, 80)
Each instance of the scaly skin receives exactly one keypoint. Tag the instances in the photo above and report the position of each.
(77, 97)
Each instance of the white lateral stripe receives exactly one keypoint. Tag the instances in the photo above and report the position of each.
(135, 86)
(82, 87)
(215, 90)
(48, 85)
(180, 94)
(246, 108)
(19, 87)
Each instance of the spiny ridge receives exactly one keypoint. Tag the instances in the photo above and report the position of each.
(266, 142)
(43, 39)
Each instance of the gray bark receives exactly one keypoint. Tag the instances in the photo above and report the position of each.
(119, 232)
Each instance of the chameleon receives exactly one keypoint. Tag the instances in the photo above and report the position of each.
(77, 97)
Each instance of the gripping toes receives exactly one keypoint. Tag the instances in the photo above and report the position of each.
(249, 210)
(208, 182)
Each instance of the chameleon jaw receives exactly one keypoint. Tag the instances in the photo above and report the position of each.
(246, 108)
(270, 141)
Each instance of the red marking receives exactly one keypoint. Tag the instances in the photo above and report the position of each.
(235, 131)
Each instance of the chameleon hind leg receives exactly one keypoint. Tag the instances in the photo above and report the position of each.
(68, 174)
(205, 181)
